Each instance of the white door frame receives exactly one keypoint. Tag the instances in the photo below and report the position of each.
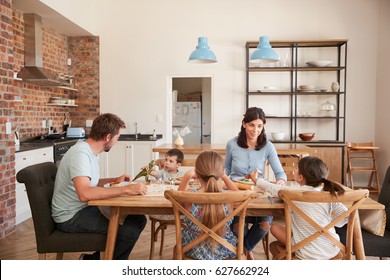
(168, 99)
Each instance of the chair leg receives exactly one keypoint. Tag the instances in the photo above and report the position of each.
(60, 256)
(153, 238)
(162, 238)
(266, 245)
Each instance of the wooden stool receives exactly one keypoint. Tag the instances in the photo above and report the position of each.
(361, 158)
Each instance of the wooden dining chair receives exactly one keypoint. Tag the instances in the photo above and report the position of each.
(240, 199)
(352, 199)
(289, 163)
(159, 223)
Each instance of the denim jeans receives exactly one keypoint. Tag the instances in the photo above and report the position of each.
(90, 219)
(253, 234)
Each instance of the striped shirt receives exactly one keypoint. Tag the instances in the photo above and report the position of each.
(322, 213)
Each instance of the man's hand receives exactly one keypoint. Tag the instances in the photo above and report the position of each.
(123, 178)
(136, 189)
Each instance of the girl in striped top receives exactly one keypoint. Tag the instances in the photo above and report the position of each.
(310, 176)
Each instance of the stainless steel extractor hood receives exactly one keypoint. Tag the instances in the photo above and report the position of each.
(33, 71)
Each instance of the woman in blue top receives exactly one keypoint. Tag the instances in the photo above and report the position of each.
(245, 153)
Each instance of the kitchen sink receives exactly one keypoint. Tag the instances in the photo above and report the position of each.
(141, 137)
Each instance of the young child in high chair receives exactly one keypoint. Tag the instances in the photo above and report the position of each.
(170, 172)
(310, 175)
(173, 161)
(209, 168)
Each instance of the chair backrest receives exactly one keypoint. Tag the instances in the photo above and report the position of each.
(352, 199)
(289, 163)
(239, 199)
(384, 197)
(39, 180)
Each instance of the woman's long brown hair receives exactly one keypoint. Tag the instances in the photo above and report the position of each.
(252, 113)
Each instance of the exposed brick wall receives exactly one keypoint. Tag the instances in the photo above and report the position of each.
(84, 52)
(29, 114)
(7, 148)
(33, 110)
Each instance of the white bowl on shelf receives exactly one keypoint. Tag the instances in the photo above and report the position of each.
(307, 87)
(278, 136)
(319, 63)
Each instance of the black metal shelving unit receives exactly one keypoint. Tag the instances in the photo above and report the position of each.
(294, 95)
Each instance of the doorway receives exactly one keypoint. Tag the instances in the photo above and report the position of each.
(190, 106)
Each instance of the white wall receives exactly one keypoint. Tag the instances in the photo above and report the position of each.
(80, 12)
(144, 42)
(382, 127)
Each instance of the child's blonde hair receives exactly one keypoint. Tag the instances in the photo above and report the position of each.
(209, 167)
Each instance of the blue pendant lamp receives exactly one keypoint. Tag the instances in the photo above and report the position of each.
(264, 52)
(202, 54)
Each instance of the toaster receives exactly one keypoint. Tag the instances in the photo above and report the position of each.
(75, 132)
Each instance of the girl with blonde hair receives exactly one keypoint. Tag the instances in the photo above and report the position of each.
(209, 168)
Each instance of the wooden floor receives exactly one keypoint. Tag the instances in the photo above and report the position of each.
(20, 245)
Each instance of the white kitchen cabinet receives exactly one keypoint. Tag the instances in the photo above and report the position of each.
(22, 160)
(127, 157)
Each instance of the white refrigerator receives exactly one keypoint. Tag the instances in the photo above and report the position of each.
(188, 114)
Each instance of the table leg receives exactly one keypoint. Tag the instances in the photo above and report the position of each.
(112, 233)
(358, 240)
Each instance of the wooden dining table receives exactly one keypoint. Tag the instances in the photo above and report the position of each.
(262, 205)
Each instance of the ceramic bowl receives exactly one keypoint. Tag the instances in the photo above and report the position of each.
(278, 136)
(306, 136)
(307, 87)
(319, 63)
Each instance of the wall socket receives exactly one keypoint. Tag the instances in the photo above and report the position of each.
(8, 128)
(88, 123)
(44, 124)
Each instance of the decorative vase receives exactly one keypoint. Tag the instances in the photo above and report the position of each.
(179, 142)
(335, 87)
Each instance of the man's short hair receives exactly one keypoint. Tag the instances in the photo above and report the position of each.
(106, 124)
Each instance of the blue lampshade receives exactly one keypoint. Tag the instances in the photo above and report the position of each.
(202, 54)
(264, 52)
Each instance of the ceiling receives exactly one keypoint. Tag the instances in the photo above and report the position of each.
(50, 17)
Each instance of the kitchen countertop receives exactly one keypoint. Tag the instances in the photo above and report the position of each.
(282, 149)
(24, 147)
(28, 146)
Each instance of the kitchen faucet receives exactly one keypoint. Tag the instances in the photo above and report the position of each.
(136, 130)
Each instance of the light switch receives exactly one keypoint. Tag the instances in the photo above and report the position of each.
(44, 124)
(8, 128)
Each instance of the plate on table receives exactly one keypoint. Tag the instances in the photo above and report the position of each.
(244, 181)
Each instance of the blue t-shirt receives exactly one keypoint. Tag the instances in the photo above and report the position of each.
(240, 161)
(79, 160)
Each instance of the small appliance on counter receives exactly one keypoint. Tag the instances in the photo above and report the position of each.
(17, 140)
(75, 132)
